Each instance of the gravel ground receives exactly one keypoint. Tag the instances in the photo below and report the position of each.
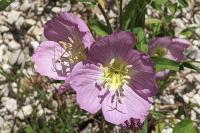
(21, 28)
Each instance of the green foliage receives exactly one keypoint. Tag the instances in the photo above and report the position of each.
(98, 27)
(145, 128)
(191, 66)
(134, 14)
(163, 63)
(185, 126)
(92, 2)
(183, 3)
(141, 40)
(4, 4)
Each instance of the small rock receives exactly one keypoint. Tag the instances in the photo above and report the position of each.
(19, 22)
(14, 56)
(1, 122)
(13, 16)
(56, 9)
(13, 45)
(9, 103)
(197, 77)
(27, 110)
(25, 6)
(167, 130)
(3, 29)
(193, 115)
(30, 21)
(186, 98)
(197, 98)
(189, 77)
(34, 44)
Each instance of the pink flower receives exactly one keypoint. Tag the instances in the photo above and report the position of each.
(68, 38)
(115, 79)
(167, 47)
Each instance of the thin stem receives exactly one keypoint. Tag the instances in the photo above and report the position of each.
(120, 12)
(106, 17)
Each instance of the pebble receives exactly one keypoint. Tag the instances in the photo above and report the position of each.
(9, 103)
(30, 21)
(13, 45)
(3, 29)
(13, 16)
(56, 9)
(197, 99)
(19, 22)
(1, 122)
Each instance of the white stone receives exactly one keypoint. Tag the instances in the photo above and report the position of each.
(27, 110)
(9, 103)
(186, 98)
(3, 28)
(34, 44)
(167, 130)
(197, 98)
(14, 56)
(26, 5)
(13, 16)
(56, 9)
(6, 67)
(19, 22)
(1, 122)
(13, 45)
(193, 115)
(197, 77)
(189, 77)
(30, 21)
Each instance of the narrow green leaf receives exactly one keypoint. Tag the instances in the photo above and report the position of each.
(163, 63)
(145, 128)
(191, 66)
(185, 126)
(183, 3)
(141, 40)
(28, 129)
(153, 21)
(4, 4)
(98, 27)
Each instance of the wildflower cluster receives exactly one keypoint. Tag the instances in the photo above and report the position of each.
(107, 74)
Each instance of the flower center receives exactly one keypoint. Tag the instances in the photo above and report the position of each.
(160, 52)
(116, 74)
(74, 50)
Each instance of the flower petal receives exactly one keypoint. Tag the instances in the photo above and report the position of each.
(175, 47)
(66, 25)
(137, 107)
(45, 56)
(83, 80)
(112, 46)
(143, 73)
(162, 75)
(114, 111)
(65, 87)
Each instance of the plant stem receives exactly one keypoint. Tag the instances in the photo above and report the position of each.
(120, 13)
(105, 17)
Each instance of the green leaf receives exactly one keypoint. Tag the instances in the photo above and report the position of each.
(163, 63)
(145, 128)
(98, 27)
(183, 3)
(159, 127)
(134, 14)
(141, 40)
(28, 129)
(153, 21)
(4, 4)
(191, 66)
(185, 126)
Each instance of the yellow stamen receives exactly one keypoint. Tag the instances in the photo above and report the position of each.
(116, 74)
